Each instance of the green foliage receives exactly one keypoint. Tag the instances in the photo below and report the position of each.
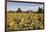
(40, 10)
(11, 11)
(19, 10)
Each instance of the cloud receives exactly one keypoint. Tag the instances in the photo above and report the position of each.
(23, 6)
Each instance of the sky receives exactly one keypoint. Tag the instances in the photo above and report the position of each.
(24, 6)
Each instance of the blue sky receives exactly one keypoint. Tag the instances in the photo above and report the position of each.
(24, 6)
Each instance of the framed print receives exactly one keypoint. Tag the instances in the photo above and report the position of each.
(23, 16)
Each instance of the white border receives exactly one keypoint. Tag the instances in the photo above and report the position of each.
(2, 16)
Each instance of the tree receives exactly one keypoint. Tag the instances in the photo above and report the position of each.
(40, 10)
(19, 10)
(10, 11)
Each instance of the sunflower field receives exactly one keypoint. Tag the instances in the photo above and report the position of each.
(24, 21)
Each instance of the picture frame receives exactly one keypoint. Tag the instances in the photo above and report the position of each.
(6, 1)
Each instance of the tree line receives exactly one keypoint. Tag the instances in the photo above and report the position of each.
(40, 10)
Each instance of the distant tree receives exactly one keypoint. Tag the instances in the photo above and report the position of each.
(19, 10)
(10, 11)
(40, 10)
